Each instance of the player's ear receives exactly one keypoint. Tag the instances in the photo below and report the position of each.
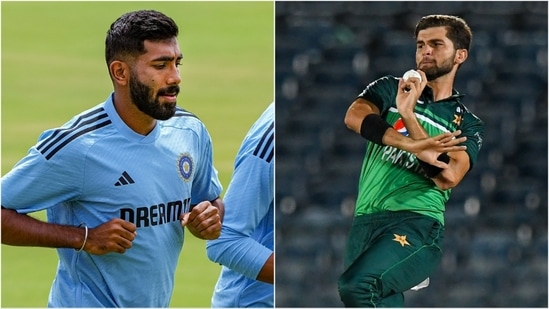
(120, 72)
(461, 56)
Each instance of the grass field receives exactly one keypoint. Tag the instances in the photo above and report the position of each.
(53, 67)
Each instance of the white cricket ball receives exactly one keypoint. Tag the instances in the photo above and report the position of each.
(411, 73)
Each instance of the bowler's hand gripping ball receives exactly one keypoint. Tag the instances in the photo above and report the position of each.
(411, 73)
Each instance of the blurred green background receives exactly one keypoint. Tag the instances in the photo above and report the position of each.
(53, 67)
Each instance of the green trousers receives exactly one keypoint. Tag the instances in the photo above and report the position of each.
(388, 253)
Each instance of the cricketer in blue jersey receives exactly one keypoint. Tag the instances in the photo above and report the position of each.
(245, 247)
(120, 180)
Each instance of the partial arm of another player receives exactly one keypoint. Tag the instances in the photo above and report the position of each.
(23, 230)
(249, 200)
(363, 117)
(266, 274)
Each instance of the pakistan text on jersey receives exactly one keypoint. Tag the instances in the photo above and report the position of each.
(156, 214)
(401, 158)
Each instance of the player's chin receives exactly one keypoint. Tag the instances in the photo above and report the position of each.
(166, 112)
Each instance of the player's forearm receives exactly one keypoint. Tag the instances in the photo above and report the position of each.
(23, 230)
(457, 168)
(266, 274)
(356, 113)
(363, 118)
(446, 179)
(414, 128)
(393, 138)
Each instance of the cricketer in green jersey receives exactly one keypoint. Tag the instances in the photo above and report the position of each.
(422, 142)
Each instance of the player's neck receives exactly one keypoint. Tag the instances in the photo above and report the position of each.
(442, 87)
(135, 119)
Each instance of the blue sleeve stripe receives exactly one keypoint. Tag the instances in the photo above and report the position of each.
(51, 139)
(265, 145)
(83, 124)
(270, 156)
(75, 135)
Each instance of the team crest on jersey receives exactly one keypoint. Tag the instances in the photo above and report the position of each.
(185, 166)
(457, 116)
(400, 127)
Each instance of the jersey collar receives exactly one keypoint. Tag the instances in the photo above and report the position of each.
(427, 96)
(126, 131)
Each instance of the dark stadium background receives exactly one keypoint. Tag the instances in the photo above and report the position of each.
(496, 220)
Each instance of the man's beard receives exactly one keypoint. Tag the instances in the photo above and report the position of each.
(436, 71)
(141, 95)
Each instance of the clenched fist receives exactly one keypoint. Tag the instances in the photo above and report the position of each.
(203, 221)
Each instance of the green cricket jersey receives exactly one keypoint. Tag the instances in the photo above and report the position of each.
(391, 179)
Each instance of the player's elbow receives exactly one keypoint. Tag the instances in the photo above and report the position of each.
(445, 183)
(347, 121)
(351, 121)
(450, 178)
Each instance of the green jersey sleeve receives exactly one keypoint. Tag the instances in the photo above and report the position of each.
(473, 128)
(381, 92)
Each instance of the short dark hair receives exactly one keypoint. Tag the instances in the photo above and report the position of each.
(457, 29)
(127, 34)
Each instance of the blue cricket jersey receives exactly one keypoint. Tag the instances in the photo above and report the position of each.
(246, 239)
(95, 168)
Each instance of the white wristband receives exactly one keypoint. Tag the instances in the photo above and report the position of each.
(85, 237)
